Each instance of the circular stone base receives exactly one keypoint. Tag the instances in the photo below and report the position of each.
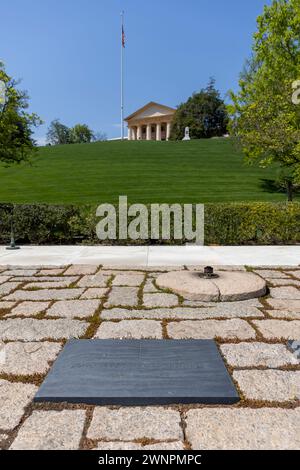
(229, 286)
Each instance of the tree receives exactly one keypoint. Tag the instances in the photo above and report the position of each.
(287, 181)
(204, 113)
(16, 140)
(265, 121)
(81, 133)
(58, 133)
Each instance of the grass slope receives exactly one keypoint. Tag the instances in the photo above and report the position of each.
(195, 171)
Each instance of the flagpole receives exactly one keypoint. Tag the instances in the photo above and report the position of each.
(122, 75)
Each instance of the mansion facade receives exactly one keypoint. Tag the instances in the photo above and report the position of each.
(151, 122)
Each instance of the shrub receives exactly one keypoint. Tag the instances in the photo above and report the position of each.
(252, 223)
(225, 224)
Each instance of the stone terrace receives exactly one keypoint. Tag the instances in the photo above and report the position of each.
(41, 307)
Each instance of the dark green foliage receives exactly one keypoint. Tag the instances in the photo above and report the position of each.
(60, 134)
(204, 113)
(265, 119)
(225, 224)
(252, 223)
(16, 134)
(81, 134)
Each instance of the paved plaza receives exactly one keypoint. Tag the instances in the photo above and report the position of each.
(42, 306)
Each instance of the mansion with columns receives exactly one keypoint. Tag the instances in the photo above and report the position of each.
(151, 122)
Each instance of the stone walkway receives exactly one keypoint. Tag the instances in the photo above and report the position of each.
(43, 306)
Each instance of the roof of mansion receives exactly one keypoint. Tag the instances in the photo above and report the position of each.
(151, 109)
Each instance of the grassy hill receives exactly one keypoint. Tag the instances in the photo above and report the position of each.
(195, 171)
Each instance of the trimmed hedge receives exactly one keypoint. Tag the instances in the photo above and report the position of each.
(252, 223)
(225, 224)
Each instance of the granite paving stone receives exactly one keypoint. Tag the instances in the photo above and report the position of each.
(127, 424)
(47, 285)
(118, 445)
(81, 269)
(182, 313)
(287, 314)
(151, 269)
(243, 429)
(34, 267)
(94, 280)
(271, 274)
(283, 282)
(279, 267)
(240, 304)
(160, 300)
(269, 385)
(112, 272)
(123, 296)
(45, 294)
(8, 287)
(277, 329)
(14, 398)
(209, 329)
(94, 293)
(30, 329)
(127, 329)
(4, 279)
(74, 308)
(51, 430)
(131, 280)
(258, 354)
(279, 304)
(6, 305)
(19, 272)
(285, 293)
(295, 273)
(149, 287)
(28, 358)
(29, 308)
(51, 271)
(42, 279)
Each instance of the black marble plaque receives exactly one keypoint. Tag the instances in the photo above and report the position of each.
(138, 372)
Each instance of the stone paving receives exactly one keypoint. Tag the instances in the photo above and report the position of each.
(41, 307)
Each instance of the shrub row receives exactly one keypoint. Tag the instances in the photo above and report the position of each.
(225, 224)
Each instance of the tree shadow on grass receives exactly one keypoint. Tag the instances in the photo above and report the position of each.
(273, 186)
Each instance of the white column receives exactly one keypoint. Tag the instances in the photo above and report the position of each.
(158, 131)
(168, 130)
(148, 131)
(139, 133)
(133, 133)
(129, 133)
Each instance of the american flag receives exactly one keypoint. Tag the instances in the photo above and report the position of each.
(123, 36)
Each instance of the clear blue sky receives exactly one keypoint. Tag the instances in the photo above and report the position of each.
(67, 53)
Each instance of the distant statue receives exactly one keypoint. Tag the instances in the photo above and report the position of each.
(186, 134)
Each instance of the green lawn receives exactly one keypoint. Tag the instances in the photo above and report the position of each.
(195, 171)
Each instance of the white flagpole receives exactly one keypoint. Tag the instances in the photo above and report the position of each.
(122, 76)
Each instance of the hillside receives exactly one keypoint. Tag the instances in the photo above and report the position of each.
(195, 171)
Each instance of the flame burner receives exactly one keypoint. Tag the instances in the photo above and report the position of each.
(208, 273)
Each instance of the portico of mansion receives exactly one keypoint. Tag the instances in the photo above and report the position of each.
(151, 122)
